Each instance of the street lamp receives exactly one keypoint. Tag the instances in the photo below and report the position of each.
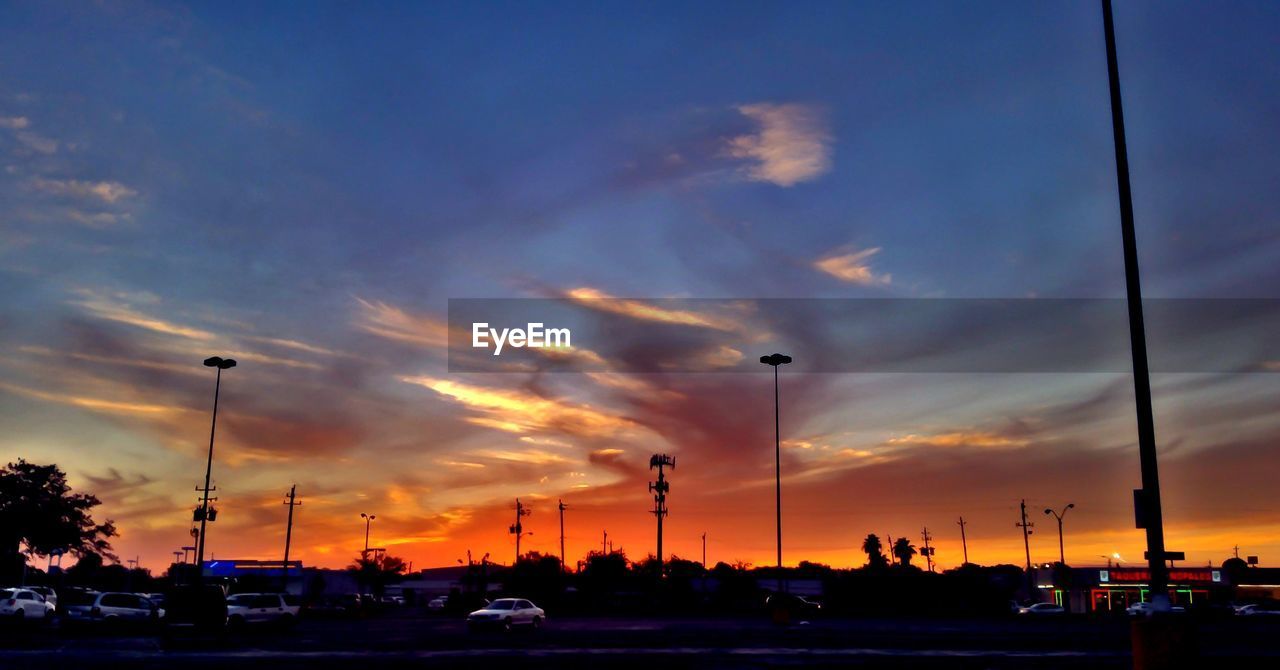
(220, 364)
(1062, 557)
(368, 519)
(775, 361)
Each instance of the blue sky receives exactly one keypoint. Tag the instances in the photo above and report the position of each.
(306, 185)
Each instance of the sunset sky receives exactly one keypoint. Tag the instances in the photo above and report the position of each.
(303, 187)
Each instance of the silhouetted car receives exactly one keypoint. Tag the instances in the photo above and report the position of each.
(24, 604)
(260, 608)
(507, 613)
(1041, 609)
(1259, 609)
(114, 607)
(794, 606)
(195, 609)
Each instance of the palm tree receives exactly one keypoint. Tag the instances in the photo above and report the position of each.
(903, 550)
(875, 551)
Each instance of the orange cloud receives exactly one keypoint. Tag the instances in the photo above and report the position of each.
(521, 411)
(852, 267)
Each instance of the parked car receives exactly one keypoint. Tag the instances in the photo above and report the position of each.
(75, 596)
(1041, 609)
(795, 607)
(438, 603)
(1259, 609)
(1146, 608)
(115, 607)
(260, 608)
(50, 596)
(195, 609)
(24, 604)
(506, 613)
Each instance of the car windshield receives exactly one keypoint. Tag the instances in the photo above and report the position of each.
(503, 605)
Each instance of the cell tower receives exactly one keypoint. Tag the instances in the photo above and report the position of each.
(517, 528)
(659, 490)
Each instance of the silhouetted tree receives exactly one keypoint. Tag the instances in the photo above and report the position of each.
(903, 550)
(38, 510)
(377, 570)
(874, 550)
(1235, 568)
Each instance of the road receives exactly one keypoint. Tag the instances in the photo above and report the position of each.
(414, 639)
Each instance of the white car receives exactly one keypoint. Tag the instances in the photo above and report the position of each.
(115, 607)
(264, 608)
(1146, 609)
(1041, 609)
(506, 613)
(24, 604)
(438, 603)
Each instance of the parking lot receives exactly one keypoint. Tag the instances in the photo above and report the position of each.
(410, 637)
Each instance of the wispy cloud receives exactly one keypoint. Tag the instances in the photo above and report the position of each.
(965, 438)
(647, 311)
(792, 144)
(94, 404)
(121, 313)
(386, 320)
(852, 266)
(106, 191)
(521, 411)
(14, 122)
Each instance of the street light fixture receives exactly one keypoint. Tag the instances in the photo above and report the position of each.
(220, 364)
(1062, 557)
(775, 361)
(368, 519)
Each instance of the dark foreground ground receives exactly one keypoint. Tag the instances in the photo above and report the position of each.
(412, 639)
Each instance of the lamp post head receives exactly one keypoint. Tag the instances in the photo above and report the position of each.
(219, 362)
(775, 359)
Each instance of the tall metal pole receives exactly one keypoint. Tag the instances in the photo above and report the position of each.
(777, 469)
(208, 474)
(1148, 498)
(563, 568)
(704, 551)
(775, 360)
(292, 502)
(1062, 555)
(964, 543)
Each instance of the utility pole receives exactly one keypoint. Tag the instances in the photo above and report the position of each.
(964, 544)
(1026, 544)
(517, 528)
(292, 502)
(1147, 510)
(704, 551)
(927, 550)
(659, 490)
(563, 568)
(604, 543)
